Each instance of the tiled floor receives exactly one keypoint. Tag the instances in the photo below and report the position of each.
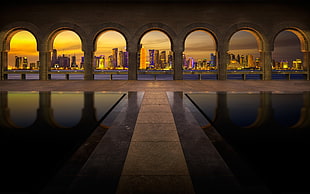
(154, 143)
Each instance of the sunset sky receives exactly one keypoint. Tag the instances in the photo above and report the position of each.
(198, 44)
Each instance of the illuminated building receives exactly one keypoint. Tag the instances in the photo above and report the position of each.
(54, 61)
(73, 62)
(32, 65)
(297, 64)
(284, 65)
(170, 60)
(212, 60)
(142, 58)
(191, 63)
(114, 57)
(152, 58)
(123, 59)
(21, 62)
(110, 62)
(156, 59)
(64, 62)
(162, 59)
(250, 61)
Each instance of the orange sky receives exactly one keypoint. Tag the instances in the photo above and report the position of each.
(198, 44)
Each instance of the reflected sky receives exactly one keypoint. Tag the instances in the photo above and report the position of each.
(23, 107)
(67, 107)
(243, 108)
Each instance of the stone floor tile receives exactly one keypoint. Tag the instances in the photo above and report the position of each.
(155, 117)
(155, 132)
(155, 108)
(155, 158)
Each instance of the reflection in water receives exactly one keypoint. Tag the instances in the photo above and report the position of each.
(40, 147)
(275, 139)
(67, 107)
(246, 109)
(23, 107)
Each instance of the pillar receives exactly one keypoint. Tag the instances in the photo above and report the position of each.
(221, 62)
(88, 64)
(266, 64)
(3, 64)
(45, 64)
(178, 60)
(306, 63)
(132, 61)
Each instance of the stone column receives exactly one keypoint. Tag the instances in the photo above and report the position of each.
(266, 64)
(306, 63)
(178, 60)
(3, 64)
(45, 64)
(88, 64)
(132, 61)
(222, 60)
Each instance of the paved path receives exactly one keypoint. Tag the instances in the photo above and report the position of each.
(155, 160)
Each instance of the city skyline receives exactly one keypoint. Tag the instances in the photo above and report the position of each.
(198, 45)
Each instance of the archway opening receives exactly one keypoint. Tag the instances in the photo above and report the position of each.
(67, 55)
(287, 56)
(111, 56)
(244, 56)
(155, 56)
(199, 57)
(23, 55)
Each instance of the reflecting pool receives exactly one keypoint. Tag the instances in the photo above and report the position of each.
(270, 131)
(41, 130)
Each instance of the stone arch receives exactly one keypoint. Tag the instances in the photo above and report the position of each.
(211, 30)
(58, 28)
(298, 31)
(155, 26)
(10, 30)
(107, 27)
(254, 29)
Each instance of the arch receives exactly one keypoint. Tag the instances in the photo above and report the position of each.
(10, 30)
(109, 26)
(301, 31)
(203, 37)
(155, 26)
(58, 28)
(119, 61)
(255, 30)
(211, 30)
(304, 41)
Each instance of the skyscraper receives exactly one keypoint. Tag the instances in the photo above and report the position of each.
(114, 57)
(73, 61)
(152, 58)
(55, 60)
(142, 58)
(163, 59)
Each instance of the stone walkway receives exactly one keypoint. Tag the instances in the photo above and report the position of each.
(155, 160)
